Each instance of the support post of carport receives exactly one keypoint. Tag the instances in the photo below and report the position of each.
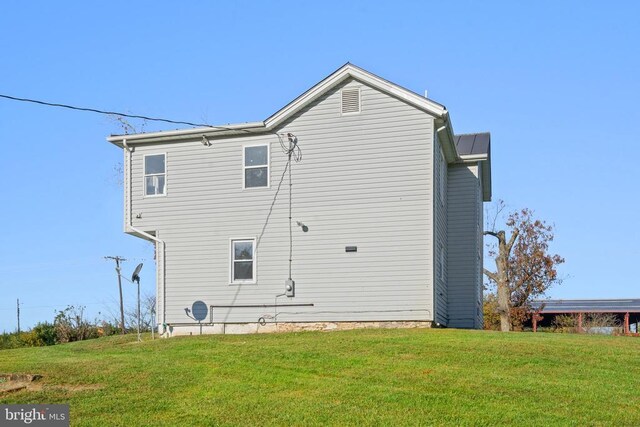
(626, 323)
(579, 323)
(536, 317)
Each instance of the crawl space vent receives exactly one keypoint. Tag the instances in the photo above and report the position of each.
(350, 101)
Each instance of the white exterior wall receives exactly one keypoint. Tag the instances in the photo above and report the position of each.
(365, 180)
(440, 243)
(465, 246)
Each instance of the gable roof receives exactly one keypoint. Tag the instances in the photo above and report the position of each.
(343, 73)
(456, 148)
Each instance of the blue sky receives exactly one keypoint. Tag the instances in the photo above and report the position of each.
(556, 83)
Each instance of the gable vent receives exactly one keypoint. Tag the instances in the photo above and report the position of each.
(350, 101)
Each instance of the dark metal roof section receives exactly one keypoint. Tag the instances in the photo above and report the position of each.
(472, 143)
(587, 305)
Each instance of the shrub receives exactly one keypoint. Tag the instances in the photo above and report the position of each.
(565, 323)
(45, 333)
(70, 325)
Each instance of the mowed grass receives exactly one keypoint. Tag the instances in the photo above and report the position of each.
(363, 377)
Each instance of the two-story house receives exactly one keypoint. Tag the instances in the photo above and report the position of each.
(378, 224)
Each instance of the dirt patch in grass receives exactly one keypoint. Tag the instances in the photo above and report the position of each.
(11, 383)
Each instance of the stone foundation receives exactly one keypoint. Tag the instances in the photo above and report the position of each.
(257, 328)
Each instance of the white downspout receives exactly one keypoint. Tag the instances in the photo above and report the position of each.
(160, 244)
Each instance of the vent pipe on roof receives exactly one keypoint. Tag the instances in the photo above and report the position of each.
(426, 93)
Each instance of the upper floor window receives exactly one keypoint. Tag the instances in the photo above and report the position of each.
(155, 175)
(256, 166)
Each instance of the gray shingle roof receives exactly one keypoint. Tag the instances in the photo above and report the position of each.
(588, 306)
(472, 143)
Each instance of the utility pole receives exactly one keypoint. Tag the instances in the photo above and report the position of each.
(18, 306)
(117, 259)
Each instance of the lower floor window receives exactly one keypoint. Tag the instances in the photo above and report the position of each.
(243, 262)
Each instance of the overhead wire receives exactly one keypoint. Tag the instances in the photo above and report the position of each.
(114, 113)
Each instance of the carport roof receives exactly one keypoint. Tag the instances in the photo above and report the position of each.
(587, 306)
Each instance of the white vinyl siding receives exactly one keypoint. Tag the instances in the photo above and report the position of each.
(365, 180)
(440, 229)
(442, 177)
(465, 246)
(155, 174)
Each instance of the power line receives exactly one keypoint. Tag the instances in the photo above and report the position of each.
(111, 113)
(118, 259)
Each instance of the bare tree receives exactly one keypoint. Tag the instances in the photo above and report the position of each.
(148, 305)
(524, 268)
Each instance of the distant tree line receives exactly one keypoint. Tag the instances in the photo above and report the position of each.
(71, 324)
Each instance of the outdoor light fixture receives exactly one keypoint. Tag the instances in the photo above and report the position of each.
(205, 141)
(304, 227)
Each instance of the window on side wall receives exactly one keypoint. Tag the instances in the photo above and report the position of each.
(155, 175)
(243, 261)
(256, 166)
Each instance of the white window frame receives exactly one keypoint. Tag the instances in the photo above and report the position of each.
(145, 175)
(245, 167)
(359, 101)
(232, 260)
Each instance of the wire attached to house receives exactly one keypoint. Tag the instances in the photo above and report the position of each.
(110, 113)
(292, 151)
(289, 145)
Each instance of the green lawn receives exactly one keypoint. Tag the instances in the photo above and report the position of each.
(363, 377)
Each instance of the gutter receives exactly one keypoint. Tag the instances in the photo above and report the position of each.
(473, 158)
(175, 135)
(129, 228)
(450, 152)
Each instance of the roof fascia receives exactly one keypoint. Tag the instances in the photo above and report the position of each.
(343, 73)
(180, 135)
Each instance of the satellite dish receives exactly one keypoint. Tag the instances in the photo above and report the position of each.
(135, 277)
(199, 310)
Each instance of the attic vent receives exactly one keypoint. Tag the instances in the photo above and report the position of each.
(350, 101)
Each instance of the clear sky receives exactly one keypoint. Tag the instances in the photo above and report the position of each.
(556, 83)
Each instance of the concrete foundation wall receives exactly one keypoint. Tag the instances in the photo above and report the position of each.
(257, 328)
